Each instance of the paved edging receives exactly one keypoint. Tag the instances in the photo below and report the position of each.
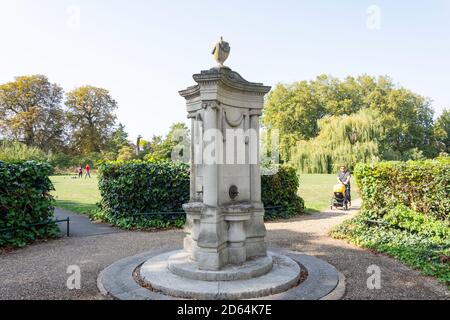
(323, 280)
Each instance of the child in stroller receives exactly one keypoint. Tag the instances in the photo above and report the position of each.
(342, 198)
(339, 199)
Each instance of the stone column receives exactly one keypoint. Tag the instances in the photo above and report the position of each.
(212, 240)
(256, 230)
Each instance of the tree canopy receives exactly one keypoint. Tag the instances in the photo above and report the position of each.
(90, 112)
(31, 112)
(406, 118)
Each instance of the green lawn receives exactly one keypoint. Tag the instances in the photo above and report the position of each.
(81, 195)
(317, 190)
(76, 195)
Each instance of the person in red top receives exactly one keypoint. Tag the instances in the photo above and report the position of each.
(88, 171)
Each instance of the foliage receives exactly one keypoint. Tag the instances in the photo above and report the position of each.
(442, 131)
(116, 142)
(91, 118)
(280, 189)
(342, 140)
(172, 146)
(406, 117)
(24, 200)
(404, 239)
(31, 112)
(406, 219)
(406, 213)
(422, 186)
(11, 151)
(125, 153)
(129, 189)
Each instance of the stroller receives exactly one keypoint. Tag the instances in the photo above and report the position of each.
(339, 200)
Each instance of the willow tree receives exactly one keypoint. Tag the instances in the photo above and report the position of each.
(342, 140)
(294, 110)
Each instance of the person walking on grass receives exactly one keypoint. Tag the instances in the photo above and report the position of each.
(344, 177)
(88, 171)
(80, 172)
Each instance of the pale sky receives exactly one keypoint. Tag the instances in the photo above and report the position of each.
(144, 52)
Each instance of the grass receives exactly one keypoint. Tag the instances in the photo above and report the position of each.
(317, 190)
(76, 195)
(81, 195)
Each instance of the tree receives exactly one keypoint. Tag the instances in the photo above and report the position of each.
(342, 140)
(117, 140)
(161, 149)
(126, 153)
(442, 132)
(31, 112)
(295, 110)
(91, 118)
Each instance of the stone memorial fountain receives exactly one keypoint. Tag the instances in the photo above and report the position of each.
(225, 254)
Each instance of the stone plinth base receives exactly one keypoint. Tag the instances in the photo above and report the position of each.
(147, 277)
(284, 275)
(181, 265)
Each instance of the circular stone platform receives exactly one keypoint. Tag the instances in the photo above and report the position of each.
(323, 280)
(283, 275)
(181, 265)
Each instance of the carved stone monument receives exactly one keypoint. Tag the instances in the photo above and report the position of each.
(225, 217)
(225, 254)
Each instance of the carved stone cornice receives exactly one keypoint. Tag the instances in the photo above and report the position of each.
(226, 77)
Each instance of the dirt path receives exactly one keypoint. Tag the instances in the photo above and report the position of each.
(39, 271)
(308, 234)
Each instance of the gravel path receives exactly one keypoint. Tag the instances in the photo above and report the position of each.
(39, 271)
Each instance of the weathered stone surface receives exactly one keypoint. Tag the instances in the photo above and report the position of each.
(284, 275)
(180, 265)
(224, 228)
(323, 282)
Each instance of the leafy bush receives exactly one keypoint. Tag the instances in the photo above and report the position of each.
(430, 254)
(403, 218)
(405, 214)
(422, 186)
(15, 151)
(280, 190)
(129, 189)
(25, 200)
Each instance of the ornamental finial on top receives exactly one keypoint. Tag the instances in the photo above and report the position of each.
(221, 52)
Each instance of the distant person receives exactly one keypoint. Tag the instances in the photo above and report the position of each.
(344, 177)
(80, 172)
(88, 171)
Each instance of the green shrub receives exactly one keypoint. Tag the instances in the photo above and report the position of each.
(131, 188)
(281, 189)
(403, 218)
(423, 186)
(417, 249)
(25, 200)
(405, 213)
(11, 151)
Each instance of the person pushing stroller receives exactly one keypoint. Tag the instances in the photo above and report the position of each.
(344, 177)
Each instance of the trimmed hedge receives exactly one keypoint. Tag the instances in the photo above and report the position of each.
(423, 186)
(405, 214)
(25, 200)
(131, 188)
(280, 190)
